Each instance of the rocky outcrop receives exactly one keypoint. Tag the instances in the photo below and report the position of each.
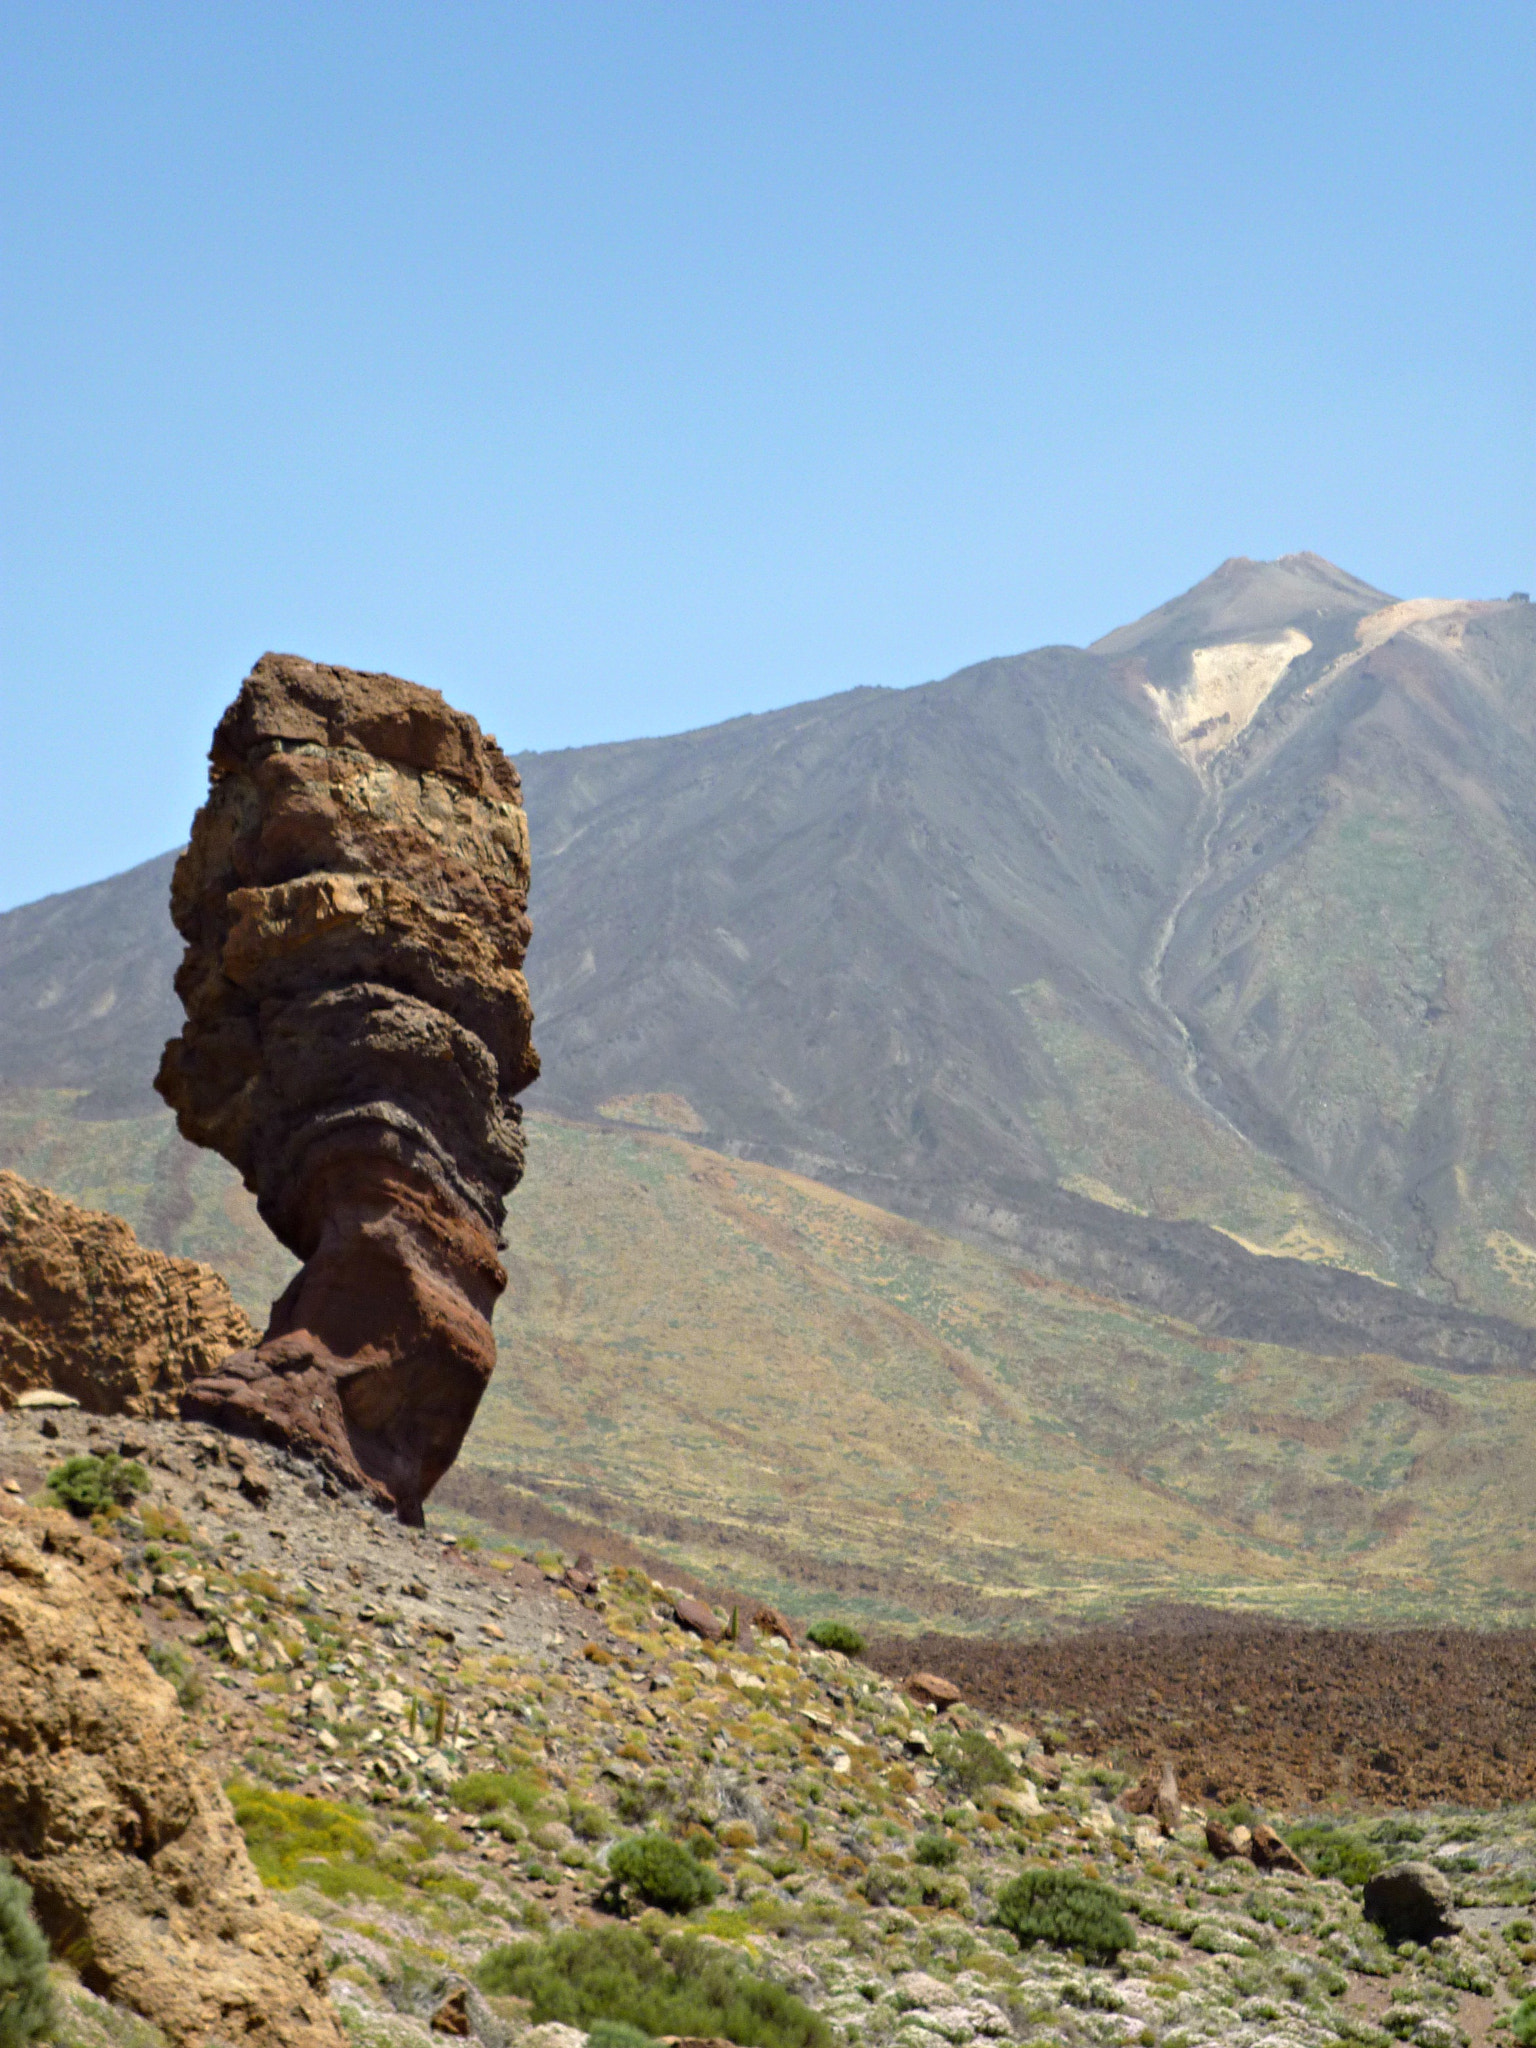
(87, 1310)
(138, 1872)
(354, 902)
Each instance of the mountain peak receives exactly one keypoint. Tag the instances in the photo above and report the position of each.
(1242, 598)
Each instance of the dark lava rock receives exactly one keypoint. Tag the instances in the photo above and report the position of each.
(1411, 1902)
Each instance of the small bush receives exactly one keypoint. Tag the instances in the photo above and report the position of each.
(971, 1763)
(172, 1662)
(26, 1997)
(1522, 2022)
(490, 1791)
(616, 2034)
(1068, 1911)
(588, 1823)
(681, 1985)
(1391, 1831)
(639, 1803)
(836, 1635)
(936, 1852)
(1330, 1851)
(89, 1485)
(659, 1872)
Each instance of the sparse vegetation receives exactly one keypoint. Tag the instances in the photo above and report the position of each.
(680, 1985)
(936, 1852)
(26, 1998)
(970, 1762)
(173, 1663)
(483, 1792)
(295, 1840)
(90, 1485)
(1332, 1851)
(1067, 1911)
(657, 1871)
(836, 1635)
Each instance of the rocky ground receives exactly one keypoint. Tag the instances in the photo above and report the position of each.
(1273, 1711)
(347, 1676)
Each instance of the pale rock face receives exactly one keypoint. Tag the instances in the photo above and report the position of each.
(130, 1847)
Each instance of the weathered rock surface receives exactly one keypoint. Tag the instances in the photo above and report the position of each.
(137, 1868)
(354, 902)
(88, 1311)
(1411, 1902)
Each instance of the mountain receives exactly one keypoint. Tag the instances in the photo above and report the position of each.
(1092, 1089)
(1208, 941)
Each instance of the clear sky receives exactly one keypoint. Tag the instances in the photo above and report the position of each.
(621, 367)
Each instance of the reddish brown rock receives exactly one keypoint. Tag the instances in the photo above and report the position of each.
(698, 1619)
(930, 1690)
(769, 1622)
(354, 902)
(138, 1870)
(1269, 1852)
(1220, 1841)
(88, 1311)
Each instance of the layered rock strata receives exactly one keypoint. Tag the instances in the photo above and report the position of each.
(138, 1871)
(87, 1310)
(354, 902)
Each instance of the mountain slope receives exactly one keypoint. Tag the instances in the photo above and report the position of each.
(1209, 937)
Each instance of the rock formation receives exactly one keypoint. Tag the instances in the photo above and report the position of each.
(354, 902)
(137, 1869)
(86, 1310)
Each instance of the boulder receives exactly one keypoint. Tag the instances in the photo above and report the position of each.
(929, 1690)
(137, 1867)
(1167, 1805)
(91, 1318)
(1271, 1853)
(700, 1620)
(769, 1622)
(1220, 1842)
(1411, 1902)
(354, 905)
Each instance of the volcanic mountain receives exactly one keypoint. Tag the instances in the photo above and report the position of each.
(1192, 965)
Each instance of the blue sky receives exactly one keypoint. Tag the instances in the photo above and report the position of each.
(619, 368)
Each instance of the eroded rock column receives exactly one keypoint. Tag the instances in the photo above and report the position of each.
(355, 905)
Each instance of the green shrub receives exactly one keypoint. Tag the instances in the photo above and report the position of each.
(1391, 1830)
(836, 1635)
(89, 1485)
(937, 1852)
(971, 1763)
(659, 1872)
(297, 1840)
(681, 1985)
(1331, 1851)
(588, 1823)
(1522, 2022)
(172, 1662)
(26, 1997)
(1066, 1910)
(639, 1803)
(616, 2034)
(490, 1791)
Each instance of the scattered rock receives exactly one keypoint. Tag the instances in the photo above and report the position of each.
(1411, 1902)
(1271, 1853)
(91, 1318)
(581, 1576)
(1167, 1805)
(769, 1622)
(932, 1691)
(700, 1620)
(354, 902)
(452, 2016)
(1220, 1842)
(134, 1859)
